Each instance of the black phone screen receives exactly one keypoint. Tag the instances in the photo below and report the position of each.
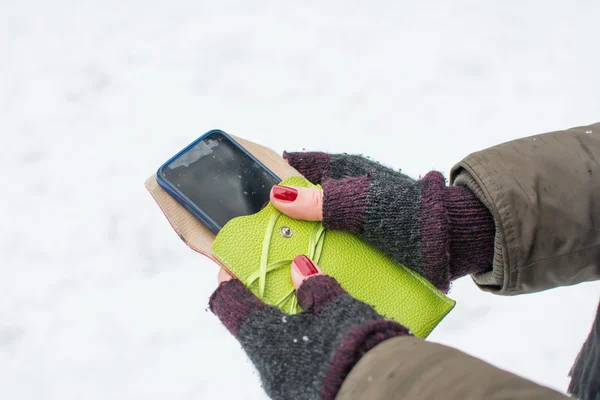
(220, 179)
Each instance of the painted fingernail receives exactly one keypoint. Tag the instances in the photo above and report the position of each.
(284, 193)
(305, 265)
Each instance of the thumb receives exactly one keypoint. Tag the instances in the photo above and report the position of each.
(298, 203)
(302, 269)
(313, 288)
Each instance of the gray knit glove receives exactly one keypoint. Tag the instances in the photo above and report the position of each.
(307, 355)
(440, 232)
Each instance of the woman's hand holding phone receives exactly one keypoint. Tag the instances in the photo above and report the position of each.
(307, 355)
(410, 220)
(441, 232)
(311, 353)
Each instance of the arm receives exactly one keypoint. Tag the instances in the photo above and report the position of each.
(339, 347)
(544, 195)
(410, 368)
(532, 211)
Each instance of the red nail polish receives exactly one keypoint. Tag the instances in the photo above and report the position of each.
(284, 193)
(305, 265)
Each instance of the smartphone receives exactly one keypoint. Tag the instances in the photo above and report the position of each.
(216, 179)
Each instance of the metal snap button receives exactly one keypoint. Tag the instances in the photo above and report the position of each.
(286, 232)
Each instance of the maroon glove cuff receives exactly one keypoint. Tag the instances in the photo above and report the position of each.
(471, 232)
(233, 303)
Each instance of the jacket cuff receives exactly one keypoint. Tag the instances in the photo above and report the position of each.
(471, 231)
(354, 345)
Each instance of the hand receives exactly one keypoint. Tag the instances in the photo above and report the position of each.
(440, 232)
(307, 355)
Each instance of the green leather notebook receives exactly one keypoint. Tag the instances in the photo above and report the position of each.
(259, 249)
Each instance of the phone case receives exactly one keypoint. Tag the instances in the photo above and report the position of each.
(189, 229)
(181, 198)
(258, 249)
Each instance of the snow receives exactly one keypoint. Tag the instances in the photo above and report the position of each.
(100, 299)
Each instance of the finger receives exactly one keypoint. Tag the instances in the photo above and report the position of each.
(312, 165)
(313, 288)
(302, 269)
(340, 205)
(298, 203)
(224, 276)
(233, 303)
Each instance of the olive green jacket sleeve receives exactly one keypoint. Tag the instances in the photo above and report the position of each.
(410, 368)
(544, 194)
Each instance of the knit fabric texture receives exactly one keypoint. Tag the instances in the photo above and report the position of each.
(441, 232)
(307, 355)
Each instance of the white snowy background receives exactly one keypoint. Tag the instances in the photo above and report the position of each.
(99, 299)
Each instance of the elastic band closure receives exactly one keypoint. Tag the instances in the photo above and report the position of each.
(315, 247)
